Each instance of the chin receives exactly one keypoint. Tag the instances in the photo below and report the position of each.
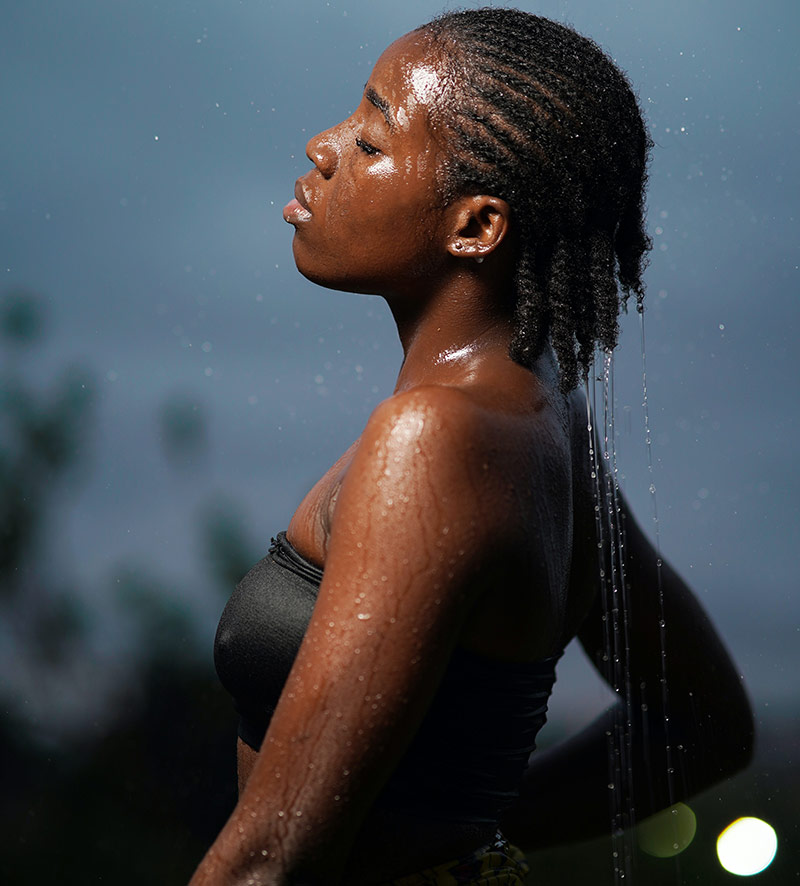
(339, 283)
(325, 273)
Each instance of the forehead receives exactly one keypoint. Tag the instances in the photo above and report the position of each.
(410, 75)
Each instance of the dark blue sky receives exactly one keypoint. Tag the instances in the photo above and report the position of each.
(146, 152)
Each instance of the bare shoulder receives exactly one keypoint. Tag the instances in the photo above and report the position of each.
(441, 412)
(449, 423)
(439, 440)
(438, 463)
(423, 471)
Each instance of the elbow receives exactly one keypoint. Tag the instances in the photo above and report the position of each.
(736, 752)
(744, 740)
(714, 734)
(727, 743)
(737, 731)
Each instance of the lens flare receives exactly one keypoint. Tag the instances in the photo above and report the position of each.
(667, 832)
(747, 846)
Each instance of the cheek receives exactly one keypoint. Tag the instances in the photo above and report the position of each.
(383, 194)
(395, 198)
(376, 225)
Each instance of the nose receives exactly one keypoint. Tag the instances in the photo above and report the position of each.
(323, 152)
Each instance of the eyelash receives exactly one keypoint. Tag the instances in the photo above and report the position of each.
(366, 147)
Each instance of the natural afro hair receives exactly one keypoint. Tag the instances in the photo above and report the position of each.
(540, 116)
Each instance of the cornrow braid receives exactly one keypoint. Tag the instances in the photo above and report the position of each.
(540, 116)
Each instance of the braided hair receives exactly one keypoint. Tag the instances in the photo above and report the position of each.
(540, 116)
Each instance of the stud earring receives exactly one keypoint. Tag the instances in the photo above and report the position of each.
(479, 259)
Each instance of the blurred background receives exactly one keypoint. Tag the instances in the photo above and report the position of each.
(170, 387)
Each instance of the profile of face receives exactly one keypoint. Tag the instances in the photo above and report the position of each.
(368, 217)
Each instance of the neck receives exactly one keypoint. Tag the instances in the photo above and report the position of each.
(447, 331)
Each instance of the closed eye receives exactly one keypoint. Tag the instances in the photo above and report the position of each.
(366, 147)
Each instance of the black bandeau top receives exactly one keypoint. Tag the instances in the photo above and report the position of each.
(467, 760)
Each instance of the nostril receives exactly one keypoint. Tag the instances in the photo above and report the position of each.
(321, 151)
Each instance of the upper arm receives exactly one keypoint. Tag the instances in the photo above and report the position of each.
(393, 598)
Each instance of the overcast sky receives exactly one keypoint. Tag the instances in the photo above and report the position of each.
(147, 149)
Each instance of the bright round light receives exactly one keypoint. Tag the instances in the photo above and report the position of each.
(667, 832)
(747, 846)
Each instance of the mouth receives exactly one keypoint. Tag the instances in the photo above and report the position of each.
(300, 196)
(296, 210)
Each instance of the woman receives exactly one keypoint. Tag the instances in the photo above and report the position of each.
(490, 187)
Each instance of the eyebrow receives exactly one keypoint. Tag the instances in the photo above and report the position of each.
(381, 104)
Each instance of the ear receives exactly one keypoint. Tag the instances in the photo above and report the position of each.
(478, 224)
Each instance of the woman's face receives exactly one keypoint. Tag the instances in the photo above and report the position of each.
(368, 216)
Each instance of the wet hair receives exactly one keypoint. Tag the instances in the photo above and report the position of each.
(540, 116)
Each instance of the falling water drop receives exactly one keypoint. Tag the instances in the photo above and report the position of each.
(615, 606)
(662, 619)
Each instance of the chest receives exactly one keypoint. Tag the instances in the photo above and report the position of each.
(310, 527)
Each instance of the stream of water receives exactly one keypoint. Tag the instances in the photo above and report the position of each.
(629, 723)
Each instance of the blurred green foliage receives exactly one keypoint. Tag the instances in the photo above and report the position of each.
(42, 439)
(21, 317)
(228, 552)
(138, 797)
(182, 429)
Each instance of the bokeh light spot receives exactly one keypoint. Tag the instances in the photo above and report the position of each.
(747, 846)
(667, 832)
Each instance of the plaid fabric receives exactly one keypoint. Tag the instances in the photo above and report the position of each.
(498, 864)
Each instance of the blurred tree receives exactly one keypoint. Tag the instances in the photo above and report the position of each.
(139, 796)
(42, 438)
(182, 430)
(21, 317)
(229, 551)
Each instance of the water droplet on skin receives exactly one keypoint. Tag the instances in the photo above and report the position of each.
(363, 616)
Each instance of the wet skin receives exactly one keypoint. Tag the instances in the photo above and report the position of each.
(374, 217)
(462, 516)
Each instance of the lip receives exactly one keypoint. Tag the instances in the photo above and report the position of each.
(300, 195)
(296, 210)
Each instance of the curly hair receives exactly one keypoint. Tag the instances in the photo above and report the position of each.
(540, 116)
